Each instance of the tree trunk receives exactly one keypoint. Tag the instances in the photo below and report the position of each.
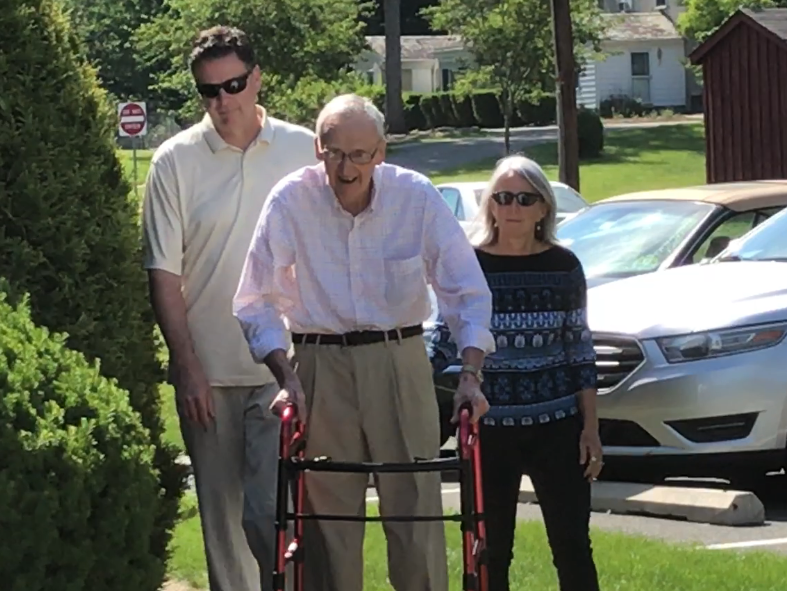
(565, 86)
(394, 106)
(508, 110)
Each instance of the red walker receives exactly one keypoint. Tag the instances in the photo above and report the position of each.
(292, 465)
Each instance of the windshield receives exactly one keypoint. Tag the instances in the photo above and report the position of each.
(626, 238)
(567, 199)
(767, 242)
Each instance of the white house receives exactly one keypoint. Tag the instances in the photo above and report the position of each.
(643, 56)
(429, 62)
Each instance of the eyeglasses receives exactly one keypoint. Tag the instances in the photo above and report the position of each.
(523, 198)
(232, 86)
(356, 156)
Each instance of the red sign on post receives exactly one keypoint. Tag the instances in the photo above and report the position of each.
(133, 119)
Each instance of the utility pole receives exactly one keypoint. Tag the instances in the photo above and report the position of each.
(565, 85)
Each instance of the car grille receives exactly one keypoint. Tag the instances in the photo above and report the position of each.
(616, 359)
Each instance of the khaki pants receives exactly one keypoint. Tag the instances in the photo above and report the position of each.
(235, 465)
(371, 403)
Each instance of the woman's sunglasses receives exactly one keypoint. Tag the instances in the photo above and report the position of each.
(523, 198)
(231, 86)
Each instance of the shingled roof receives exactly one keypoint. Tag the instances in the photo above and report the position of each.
(773, 19)
(418, 47)
(770, 21)
(639, 26)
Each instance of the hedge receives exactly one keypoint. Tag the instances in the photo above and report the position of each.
(79, 493)
(70, 234)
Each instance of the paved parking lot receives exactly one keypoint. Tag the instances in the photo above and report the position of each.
(771, 536)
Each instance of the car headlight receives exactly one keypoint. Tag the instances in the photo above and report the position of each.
(717, 343)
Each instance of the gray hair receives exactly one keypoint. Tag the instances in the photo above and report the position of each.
(350, 104)
(484, 230)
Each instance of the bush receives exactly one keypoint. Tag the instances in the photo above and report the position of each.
(78, 490)
(539, 113)
(486, 110)
(621, 106)
(413, 115)
(70, 231)
(590, 130)
(463, 110)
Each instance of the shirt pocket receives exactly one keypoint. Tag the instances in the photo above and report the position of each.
(405, 281)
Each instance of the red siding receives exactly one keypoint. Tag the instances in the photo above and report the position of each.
(745, 96)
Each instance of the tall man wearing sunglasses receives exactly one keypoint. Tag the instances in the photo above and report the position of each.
(205, 190)
(344, 251)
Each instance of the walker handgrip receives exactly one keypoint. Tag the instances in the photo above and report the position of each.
(468, 407)
(289, 412)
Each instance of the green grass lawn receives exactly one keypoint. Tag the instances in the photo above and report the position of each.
(625, 563)
(633, 160)
(143, 165)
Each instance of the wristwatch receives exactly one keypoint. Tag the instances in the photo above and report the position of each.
(467, 368)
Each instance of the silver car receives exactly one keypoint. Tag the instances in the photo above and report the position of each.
(692, 364)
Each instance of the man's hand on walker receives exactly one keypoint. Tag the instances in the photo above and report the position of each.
(469, 390)
(291, 392)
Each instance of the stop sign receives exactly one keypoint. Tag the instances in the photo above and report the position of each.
(133, 119)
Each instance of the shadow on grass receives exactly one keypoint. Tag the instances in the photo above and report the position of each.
(620, 145)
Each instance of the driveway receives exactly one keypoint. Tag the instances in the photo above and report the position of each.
(431, 156)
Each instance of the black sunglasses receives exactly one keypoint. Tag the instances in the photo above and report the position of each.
(231, 86)
(523, 198)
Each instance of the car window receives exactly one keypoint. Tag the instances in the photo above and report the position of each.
(452, 197)
(764, 214)
(766, 242)
(626, 238)
(460, 211)
(730, 229)
(568, 200)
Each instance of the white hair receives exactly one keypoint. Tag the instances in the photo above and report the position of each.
(350, 104)
(484, 230)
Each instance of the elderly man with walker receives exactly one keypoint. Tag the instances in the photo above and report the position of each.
(342, 253)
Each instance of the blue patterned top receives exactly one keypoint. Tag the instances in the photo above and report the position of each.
(545, 353)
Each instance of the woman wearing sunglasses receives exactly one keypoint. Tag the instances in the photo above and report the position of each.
(541, 381)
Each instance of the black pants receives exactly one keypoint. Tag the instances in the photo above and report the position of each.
(549, 454)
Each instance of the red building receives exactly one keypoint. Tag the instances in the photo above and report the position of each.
(744, 72)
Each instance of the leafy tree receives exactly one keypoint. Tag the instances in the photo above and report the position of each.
(703, 17)
(292, 38)
(106, 29)
(69, 233)
(511, 43)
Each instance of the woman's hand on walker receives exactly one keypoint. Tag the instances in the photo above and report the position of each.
(291, 392)
(469, 390)
(590, 452)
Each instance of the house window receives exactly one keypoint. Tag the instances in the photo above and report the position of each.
(407, 80)
(661, 3)
(370, 77)
(448, 79)
(640, 76)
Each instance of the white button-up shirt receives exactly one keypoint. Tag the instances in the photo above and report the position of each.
(316, 268)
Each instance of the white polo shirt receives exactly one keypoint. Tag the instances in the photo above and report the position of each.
(203, 198)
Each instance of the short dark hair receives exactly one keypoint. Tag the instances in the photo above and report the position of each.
(218, 42)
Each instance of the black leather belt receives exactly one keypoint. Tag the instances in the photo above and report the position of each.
(355, 338)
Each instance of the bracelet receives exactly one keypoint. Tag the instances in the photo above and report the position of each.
(467, 368)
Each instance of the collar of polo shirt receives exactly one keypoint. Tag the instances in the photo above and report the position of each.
(216, 142)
